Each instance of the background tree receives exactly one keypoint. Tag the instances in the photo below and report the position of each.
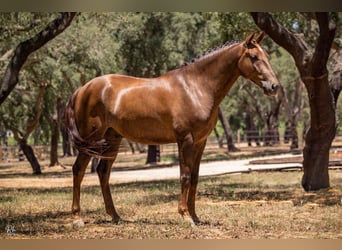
(24, 49)
(227, 131)
(11, 77)
(236, 26)
(143, 44)
(336, 68)
(28, 112)
(312, 66)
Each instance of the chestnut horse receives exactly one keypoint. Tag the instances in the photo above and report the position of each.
(180, 107)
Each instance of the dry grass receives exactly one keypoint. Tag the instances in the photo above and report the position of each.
(255, 205)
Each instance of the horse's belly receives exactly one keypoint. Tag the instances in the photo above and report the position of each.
(145, 131)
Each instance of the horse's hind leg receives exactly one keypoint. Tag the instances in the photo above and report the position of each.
(103, 171)
(78, 171)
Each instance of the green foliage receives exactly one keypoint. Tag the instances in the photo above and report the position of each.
(153, 43)
(140, 44)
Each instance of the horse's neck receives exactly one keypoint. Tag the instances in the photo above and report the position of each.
(218, 72)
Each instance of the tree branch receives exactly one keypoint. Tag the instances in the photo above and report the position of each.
(293, 43)
(324, 43)
(31, 123)
(22, 51)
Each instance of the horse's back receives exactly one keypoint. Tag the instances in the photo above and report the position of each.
(102, 88)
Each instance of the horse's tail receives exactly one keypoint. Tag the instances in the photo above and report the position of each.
(89, 146)
(70, 122)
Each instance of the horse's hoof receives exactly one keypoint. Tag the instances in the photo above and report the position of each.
(191, 221)
(196, 220)
(78, 223)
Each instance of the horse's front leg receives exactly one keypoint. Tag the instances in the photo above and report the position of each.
(78, 170)
(197, 155)
(185, 148)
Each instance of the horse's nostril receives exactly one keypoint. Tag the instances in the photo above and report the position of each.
(274, 86)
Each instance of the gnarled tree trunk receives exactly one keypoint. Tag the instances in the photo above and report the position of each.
(312, 66)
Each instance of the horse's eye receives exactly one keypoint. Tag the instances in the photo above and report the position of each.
(253, 58)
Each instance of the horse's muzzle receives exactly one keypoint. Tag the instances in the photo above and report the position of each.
(270, 88)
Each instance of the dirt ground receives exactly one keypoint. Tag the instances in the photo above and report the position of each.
(261, 205)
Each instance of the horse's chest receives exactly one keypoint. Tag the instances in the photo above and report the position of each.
(198, 124)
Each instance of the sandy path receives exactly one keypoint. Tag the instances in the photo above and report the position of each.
(162, 173)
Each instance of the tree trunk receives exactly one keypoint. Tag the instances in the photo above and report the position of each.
(313, 71)
(219, 138)
(291, 135)
(54, 143)
(320, 134)
(94, 163)
(336, 85)
(153, 154)
(227, 131)
(131, 146)
(293, 113)
(251, 130)
(271, 131)
(140, 148)
(3, 145)
(24, 49)
(66, 145)
(30, 156)
(336, 79)
(269, 118)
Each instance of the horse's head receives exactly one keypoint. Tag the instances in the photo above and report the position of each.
(254, 65)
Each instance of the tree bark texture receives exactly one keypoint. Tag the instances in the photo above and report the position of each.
(312, 66)
(24, 49)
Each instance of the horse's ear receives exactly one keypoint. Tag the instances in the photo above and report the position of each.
(249, 39)
(260, 37)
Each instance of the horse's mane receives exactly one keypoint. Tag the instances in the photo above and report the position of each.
(211, 52)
